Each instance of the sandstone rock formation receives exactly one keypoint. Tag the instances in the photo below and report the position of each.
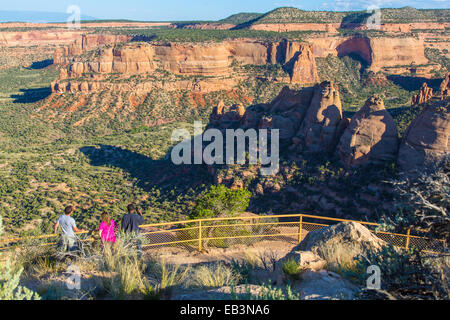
(377, 52)
(224, 117)
(371, 136)
(444, 89)
(126, 60)
(84, 43)
(426, 141)
(340, 244)
(310, 120)
(425, 94)
(320, 126)
(307, 260)
(304, 68)
(325, 285)
(101, 55)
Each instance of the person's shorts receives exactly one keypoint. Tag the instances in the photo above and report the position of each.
(68, 243)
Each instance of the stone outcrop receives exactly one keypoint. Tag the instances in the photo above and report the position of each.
(320, 127)
(310, 120)
(425, 94)
(426, 141)
(377, 52)
(30, 38)
(444, 89)
(194, 86)
(84, 43)
(340, 244)
(325, 285)
(90, 55)
(128, 59)
(371, 136)
(304, 68)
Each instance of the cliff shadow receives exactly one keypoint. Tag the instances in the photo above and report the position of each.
(149, 173)
(31, 95)
(411, 83)
(40, 64)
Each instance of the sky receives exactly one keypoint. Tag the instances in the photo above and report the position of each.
(171, 10)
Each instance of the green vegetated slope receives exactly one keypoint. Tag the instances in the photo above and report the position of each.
(46, 162)
(195, 35)
(239, 18)
(44, 167)
(401, 15)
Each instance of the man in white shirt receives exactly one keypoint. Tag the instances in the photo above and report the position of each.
(68, 227)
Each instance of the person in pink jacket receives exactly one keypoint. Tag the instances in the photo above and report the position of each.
(107, 229)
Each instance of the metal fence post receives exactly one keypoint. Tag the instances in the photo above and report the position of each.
(407, 239)
(200, 247)
(300, 228)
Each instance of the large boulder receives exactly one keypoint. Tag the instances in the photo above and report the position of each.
(325, 285)
(372, 136)
(426, 141)
(340, 244)
(321, 123)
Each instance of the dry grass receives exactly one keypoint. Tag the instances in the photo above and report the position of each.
(212, 276)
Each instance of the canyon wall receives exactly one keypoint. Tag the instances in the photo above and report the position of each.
(378, 53)
(34, 38)
(210, 60)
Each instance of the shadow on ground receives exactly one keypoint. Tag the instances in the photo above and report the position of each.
(31, 95)
(160, 174)
(40, 64)
(414, 83)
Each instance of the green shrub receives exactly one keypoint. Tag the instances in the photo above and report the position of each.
(267, 292)
(9, 282)
(291, 269)
(221, 201)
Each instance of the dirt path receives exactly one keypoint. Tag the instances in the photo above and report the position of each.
(189, 256)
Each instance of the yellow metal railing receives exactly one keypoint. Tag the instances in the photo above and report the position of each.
(225, 232)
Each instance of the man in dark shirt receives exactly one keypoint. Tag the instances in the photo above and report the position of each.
(132, 220)
(130, 225)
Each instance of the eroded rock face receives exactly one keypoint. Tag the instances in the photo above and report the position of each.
(304, 68)
(321, 123)
(226, 117)
(423, 96)
(426, 141)
(340, 244)
(444, 89)
(371, 136)
(85, 43)
(101, 55)
(128, 60)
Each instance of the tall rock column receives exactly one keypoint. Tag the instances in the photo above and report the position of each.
(423, 96)
(321, 124)
(427, 139)
(304, 69)
(371, 136)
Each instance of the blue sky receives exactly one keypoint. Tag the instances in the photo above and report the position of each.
(201, 9)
